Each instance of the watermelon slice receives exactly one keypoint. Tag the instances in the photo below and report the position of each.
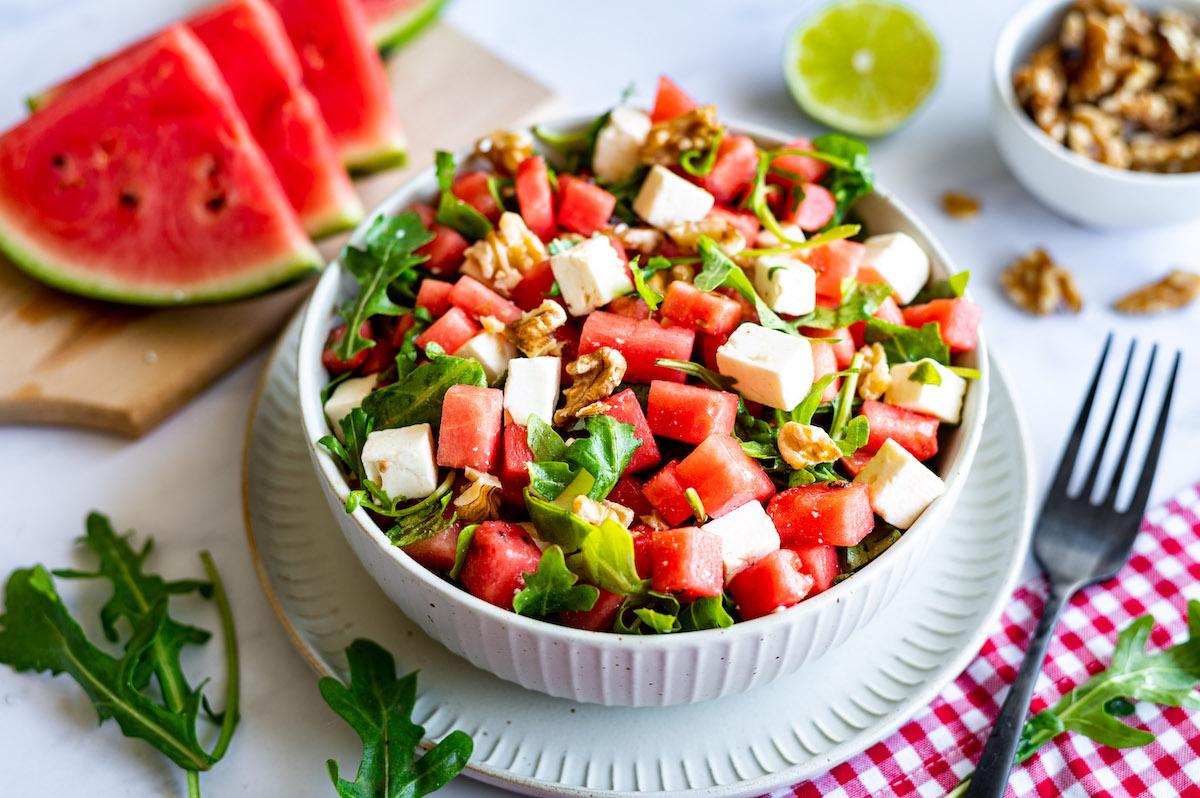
(344, 73)
(394, 23)
(145, 185)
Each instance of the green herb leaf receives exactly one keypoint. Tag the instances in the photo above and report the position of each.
(821, 472)
(950, 288)
(453, 212)
(648, 612)
(706, 612)
(925, 373)
(576, 147)
(605, 559)
(648, 294)
(408, 354)
(718, 382)
(719, 270)
(846, 184)
(552, 589)
(557, 524)
(690, 160)
(854, 435)
(562, 245)
(604, 453)
(803, 412)
(905, 345)
(418, 399)
(870, 547)
(465, 536)
(379, 707)
(859, 303)
(966, 373)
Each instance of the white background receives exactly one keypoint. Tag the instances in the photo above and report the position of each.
(182, 482)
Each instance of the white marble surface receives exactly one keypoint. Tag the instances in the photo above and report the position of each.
(181, 483)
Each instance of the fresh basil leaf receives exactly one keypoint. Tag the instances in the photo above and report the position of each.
(859, 304)
(418, 400)
(453, 212)
(556, 524)
(718, 382)
(950, 288)
(706, 612)
(552, 589)
(925, 373)
(905, 344)
(605, 559)
(719, 270)
(465, 536)
(846, 184)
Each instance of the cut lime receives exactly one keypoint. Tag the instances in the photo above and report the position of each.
(862, 66)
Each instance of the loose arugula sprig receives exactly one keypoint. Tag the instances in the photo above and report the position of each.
(38, 633)
(1169, 677)
(379, 708)
(453, 212)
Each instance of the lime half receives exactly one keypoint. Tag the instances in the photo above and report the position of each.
(862, 66)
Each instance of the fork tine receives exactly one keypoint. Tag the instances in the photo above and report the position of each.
(1066, 463)
(1094, 472)
(1110, 499)
(1137, 504)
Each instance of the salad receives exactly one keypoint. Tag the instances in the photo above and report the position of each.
(644, 377)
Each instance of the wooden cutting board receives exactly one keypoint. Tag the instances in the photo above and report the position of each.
(68, 360)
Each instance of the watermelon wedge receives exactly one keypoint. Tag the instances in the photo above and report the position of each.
(394, 23)
(345, 74)
(145, 185)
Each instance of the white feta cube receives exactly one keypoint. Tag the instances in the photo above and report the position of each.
(402, 461)
(900, 261)
(771, 367)
(617, 144)
(747, 535)
(493, 352)
(944, 401)
(787, 284)
(768, 240)
(531, 389)
(590, 274)
(899, 485)
(665, 199)
(345, 397)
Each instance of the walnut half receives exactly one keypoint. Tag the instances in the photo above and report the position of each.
(501, 258)
(875, 378)
(505, 149)
(669, 140)
(803, 445)
(595, 512)
(481, 500)
(533, 333)
(597, 374)
(1177, 289)
(1037, 284)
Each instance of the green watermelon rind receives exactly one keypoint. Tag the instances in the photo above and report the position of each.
(389, 155)
(345, 216)
(392, 33)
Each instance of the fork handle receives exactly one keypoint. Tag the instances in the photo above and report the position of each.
(995, 763)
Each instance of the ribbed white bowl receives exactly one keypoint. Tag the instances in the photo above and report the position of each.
(612, 669)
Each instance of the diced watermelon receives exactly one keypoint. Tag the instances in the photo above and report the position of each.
(821, 563)
(958, 320)
(806, 170)
(438, 552)
(331, 362)
(690, 413)
(631, 306)
(471, 421)
(830, 513)
(383, 354)
(499, 556)
(624, 407)
(445, 251)
(534, 197)
(400, 328)
(888, 311)
(449, 332)
(834, 262)
(856, 462)
(643, 550)
(517, 456)
(434, 296)
(665, 490)
(868, 274)
(825, 362)
(749, 312)
(710, 313)
(534, 286)
(709, 344)
(472, 188)
(477, 299)
(600, 618)
(734, 168)
(915, 432)
(809, 206)
(670, 101)
(687, 563)
(777, 581)
(642, 342)
(583, 207)
(723, 475)
(628, 492)
(745, 221)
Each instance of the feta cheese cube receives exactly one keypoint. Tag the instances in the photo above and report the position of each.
(590, 274)
(787, 284)
(666, 199)
(944, 401)
(747, 535)
(401, 461)
(899, 485)
(493, 351)
(345, 397)
(901, 261)
(531, 389)
(617, 144)
(771, 367)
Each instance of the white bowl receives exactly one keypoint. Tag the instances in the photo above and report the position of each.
(1077, 187)
(605, 668)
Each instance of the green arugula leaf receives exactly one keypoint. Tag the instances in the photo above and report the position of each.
(847, 183)
(859, 304)
(718, 382)
(648, 612)
(543, 441)
(706, 612)
(905, 345)
(691, 160)
(423, 519)
(950, 288)
(925, 373)
(418, 399)
(604, 453)
(870, 547)
(821, 472)
(658, 622)
(379, 707)
(562, 245)
(648, 294)
(803, 412)
(577, 146)
(966, 373)
(391, 245)
(605, 559)
(552, 589)
(356, 426)
(719, 270)
(465, 536)
(408, 354)
(453, 212)
(557, 524)
(854, 435)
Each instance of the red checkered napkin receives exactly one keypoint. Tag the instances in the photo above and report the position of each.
(930, 753)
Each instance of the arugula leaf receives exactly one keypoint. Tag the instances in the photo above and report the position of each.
(556, 524)
(925, 373)
(391, 245)
(859, 303)
(821, 472)
(408, 354)
(562, 245)
(356, 426)
(950, 288)
(706, 612)
(870, 547)
(640, 273)
(905, 344)
(575, 147)
(846, 184)
(648, 612)
(453, 212)
(719, 270)
(418, 521)
(379, 707)
(604, 453)
(854, 435)
(803, 412)
(465, 536)
(718, 382)
(552, 589)
(966, 373)
(605, 559)
(543, 441)
(418, 400)
(693, 165)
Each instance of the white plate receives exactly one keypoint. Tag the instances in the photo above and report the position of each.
(773, 736)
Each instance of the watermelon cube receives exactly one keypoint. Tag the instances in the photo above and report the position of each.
(625, 407)
(400, 328)
(438, 552)
(829, 513)
(888, 311)
(472, 188)
(497, 559)
(857, 461)
(643, 550)
(843, 347)
(819, 562)
(723, 475)
(834, 262)
(958, 320)
(709, 313)
(670, 101)
(809, 206)
(534, 197)
(642, 342)
(583, 207)
(471, 422)
(331, 362)
(449, 332)
(914, 431)
(777, 581)
(690, 413)
(445, 251)
(825, 362)
(628, 492)
(380, 356)
(709, 344)
(517, 456)
(631, 306)
(434, 296)
(687, 563)
(534, 287)
(600, 618)
(800, 168)
(477, 299)
(731, 173)
(745, 221)
(665, 490)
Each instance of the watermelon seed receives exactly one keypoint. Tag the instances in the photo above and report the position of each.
(129, 200)
(59, 161)
(216, 204)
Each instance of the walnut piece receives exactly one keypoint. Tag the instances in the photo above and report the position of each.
(661, 279)
(1097, 135)
(803, 445)
(645, 241)
(723, 232)
(533, 333)
(960, 205)
(501, 259)
(505, 150)
(1037, 284)
(654, 520)
(480, 501)
(874, 379)
(594, 512)
(1177, 289)
(596, 375)
(669, 140)
(1154, 154)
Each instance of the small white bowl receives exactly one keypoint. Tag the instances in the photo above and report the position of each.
(1077, 187)
(605, 668)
